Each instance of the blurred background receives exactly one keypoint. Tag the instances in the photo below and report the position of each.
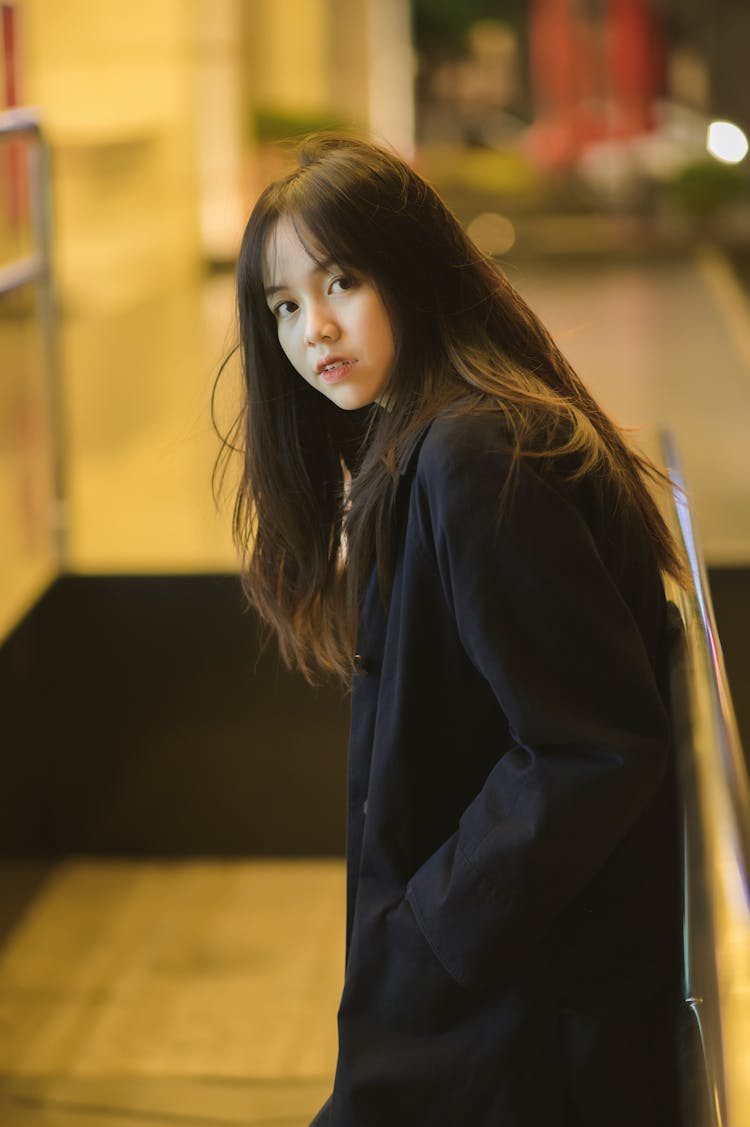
(597, 148)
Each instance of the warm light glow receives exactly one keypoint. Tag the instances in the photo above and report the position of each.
(493, 233)
(726, 142)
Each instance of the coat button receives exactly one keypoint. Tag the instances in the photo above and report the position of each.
(365, 665)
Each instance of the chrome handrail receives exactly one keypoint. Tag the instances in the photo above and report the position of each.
(36, 267)
(21, 272)
(716, 805)
(20, 119)
(14, 122)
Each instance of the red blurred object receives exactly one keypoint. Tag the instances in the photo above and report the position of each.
(10, 73)
(14, 157)
(634, 64)
(591, 78)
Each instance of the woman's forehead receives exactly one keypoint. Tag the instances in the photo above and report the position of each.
(288, 242)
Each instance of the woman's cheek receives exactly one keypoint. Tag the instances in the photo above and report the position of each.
(286, 347)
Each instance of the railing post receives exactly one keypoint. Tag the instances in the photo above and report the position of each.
(37, 269)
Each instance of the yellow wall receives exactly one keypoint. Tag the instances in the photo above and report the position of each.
(221, 124)
(148, 109)
(148, 106)
(290, 51)
(114, 82)
(309, 56)
(28, 555)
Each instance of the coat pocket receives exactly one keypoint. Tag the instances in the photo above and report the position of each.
(415, 993)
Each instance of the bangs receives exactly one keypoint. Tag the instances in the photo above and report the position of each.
(333, 221)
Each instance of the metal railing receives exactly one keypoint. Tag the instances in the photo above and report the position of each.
(716, 805)
(36, 268)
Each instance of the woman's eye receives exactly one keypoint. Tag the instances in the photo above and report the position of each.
(284, 309)
(343, 283)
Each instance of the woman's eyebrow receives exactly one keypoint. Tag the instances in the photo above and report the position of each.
(318, 268)
(269, 291)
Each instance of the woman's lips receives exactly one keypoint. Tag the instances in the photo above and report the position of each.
(338, 371)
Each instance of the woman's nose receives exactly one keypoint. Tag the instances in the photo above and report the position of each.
(321, 325)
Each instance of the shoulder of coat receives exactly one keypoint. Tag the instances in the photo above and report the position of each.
(461, 438)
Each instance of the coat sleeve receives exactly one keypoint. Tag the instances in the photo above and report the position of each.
(541, 618)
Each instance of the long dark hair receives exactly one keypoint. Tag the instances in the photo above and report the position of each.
(464, 341)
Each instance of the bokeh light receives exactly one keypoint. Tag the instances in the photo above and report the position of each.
(493, 233)
(727, 142)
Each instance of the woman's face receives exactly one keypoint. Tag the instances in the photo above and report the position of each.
(332, 324)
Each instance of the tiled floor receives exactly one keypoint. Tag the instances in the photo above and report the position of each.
(666, 343)
(187, 992)
(133, 1102)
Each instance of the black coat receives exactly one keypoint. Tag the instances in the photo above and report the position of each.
(513, 953)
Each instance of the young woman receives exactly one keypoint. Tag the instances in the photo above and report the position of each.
(479, 553)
